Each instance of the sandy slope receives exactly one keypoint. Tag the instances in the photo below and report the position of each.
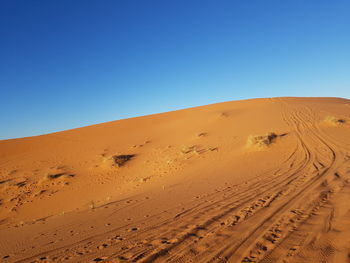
(193, 192)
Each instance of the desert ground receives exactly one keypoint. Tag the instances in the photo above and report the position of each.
(260, 180)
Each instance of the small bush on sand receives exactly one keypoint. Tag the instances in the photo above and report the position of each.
(54, 176)
(333, 120)
(120, 160)
(192, 149)
(261, 141)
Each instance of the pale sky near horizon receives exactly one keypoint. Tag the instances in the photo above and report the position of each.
(66, 64)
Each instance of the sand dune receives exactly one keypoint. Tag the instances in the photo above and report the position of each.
(261, 180)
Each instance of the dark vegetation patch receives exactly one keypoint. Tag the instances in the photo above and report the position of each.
(5, 181)
(21, 184)
(120, 160)
(58, 175)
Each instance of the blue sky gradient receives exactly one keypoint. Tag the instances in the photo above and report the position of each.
(66, 64)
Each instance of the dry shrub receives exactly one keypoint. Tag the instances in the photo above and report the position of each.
(60, 176)
(261, 141)
(333, 120)
(192, 149)
(120, 160)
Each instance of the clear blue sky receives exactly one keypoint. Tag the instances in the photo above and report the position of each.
(66, 64)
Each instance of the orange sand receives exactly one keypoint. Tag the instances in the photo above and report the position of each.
(262, 180)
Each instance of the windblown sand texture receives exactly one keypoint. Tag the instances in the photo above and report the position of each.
(262, 180)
